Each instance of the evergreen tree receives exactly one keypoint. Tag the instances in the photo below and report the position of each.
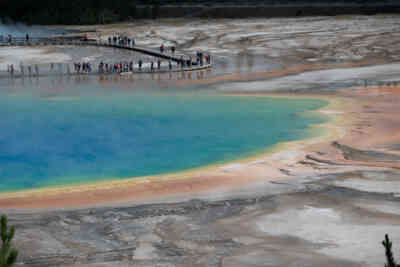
(387, 244)
(8, 254)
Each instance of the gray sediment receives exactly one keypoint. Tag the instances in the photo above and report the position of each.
(206, 232)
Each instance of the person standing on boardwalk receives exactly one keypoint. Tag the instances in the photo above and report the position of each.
(21, 66)
(169, 65)
(27, 38)
(37, 70)
(101, 67)
(140, 64)
(152, 66)
(158, 64)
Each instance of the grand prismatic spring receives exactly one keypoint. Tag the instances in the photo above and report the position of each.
(94, 133)
(283, 150)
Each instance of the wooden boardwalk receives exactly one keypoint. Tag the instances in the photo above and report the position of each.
(44, 41)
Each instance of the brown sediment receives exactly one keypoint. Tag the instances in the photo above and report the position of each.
(365, 127)
(373, 132)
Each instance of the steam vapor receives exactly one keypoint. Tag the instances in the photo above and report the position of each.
(18, 29)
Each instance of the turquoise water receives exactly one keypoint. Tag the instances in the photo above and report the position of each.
(61, 140)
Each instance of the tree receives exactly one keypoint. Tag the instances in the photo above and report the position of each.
(387, 244)
(8, 254)
(155, 9)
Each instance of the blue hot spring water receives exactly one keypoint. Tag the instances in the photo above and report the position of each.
(49, 141)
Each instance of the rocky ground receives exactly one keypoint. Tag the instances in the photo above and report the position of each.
(335, 213)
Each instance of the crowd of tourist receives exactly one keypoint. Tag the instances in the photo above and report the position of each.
(84, 67)
(121, 40)
(200, 59)
(164, 49)
(30, 70)
(130, 66)
(119, 67)
(154, 65)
